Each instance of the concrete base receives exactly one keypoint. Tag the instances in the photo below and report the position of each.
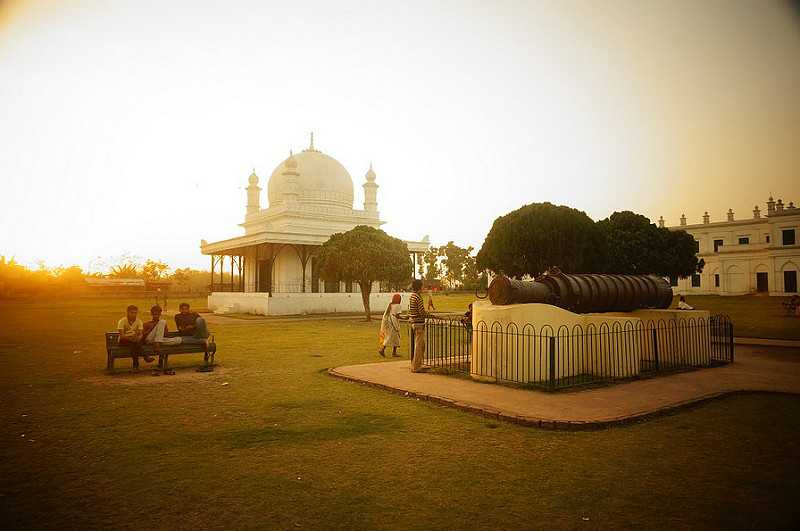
(513, 342)
(297, 303)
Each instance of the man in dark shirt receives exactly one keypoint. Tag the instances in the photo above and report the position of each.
(186, 320)
(192, 328)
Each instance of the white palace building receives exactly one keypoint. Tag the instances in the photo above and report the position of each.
(271, 269)
(756, 255)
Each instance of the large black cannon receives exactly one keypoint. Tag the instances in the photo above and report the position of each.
(584, 293)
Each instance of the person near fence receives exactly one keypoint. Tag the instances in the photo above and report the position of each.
(467, 320)
(682, 305)
(417, 316)
(390, 327)
(130, 330)
(431, 307)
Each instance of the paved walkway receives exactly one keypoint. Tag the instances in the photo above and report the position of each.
(756, 369)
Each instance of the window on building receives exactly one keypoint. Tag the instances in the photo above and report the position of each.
(696, 246)
(767, 237)
(717, 245)
(788, 237)
(673, 281)
(716, 280)
(744, 241)
(695, 280)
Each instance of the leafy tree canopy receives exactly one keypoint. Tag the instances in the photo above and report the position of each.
(365, 255)
(536, 237)
(531, 239)
(455, 261)
(433, 269)
(633, 245)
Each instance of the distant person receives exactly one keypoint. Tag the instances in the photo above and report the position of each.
(467, 322)
(130, 330)
(431, 307)
(155, 330)
(390, 327)
(682, 304)
(190, 324)
(467, 319)
(417, 315)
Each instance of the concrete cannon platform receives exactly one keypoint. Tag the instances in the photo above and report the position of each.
(756, 369)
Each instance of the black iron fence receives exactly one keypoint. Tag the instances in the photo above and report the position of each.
(557, 358)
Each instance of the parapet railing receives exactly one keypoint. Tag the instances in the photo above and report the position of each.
(557, 358)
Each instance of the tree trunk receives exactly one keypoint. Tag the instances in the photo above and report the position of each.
(366, 288)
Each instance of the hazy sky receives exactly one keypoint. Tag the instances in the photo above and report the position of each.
(132, 126)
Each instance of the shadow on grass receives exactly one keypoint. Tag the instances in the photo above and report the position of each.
(338, 428)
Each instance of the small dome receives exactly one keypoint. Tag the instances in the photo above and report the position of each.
(370, 174)
(322, 180)
(253, 179)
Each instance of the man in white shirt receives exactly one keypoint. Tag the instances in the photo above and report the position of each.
(130, 330)
(682, 304)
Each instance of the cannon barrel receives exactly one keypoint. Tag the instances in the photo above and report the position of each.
(584, 293)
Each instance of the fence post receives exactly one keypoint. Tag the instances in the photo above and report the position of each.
(655, 349)
(552, 384)
(730, 337)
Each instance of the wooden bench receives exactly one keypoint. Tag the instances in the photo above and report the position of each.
(115, 350)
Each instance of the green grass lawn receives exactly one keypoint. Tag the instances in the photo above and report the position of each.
(752, 315)
(283, 445)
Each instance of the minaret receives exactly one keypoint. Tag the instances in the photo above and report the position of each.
(291, 191)
(706, 218)
(371, 192)
(683, 219)
(661, 222)
(253, 194)
(730, 214)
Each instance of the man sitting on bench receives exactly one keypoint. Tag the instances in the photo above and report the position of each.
(131, 332)
(192, 327)
(154, 331)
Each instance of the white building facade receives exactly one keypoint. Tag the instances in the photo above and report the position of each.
(756, 255)
(271, 269)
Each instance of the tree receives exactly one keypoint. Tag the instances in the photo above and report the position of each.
(126, 270)
(455, 258)
(632, 245)
(474, 278)
(181, 278)
(433, 269)
(365, 255)
(536, 237)
(70, 278)
(153, 269)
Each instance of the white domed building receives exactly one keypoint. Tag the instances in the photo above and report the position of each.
(271, 270)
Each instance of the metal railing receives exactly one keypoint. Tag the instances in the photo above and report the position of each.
(565, 357)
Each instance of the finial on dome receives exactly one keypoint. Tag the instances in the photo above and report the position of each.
(253, 179)
(311, 147)
(291, 162)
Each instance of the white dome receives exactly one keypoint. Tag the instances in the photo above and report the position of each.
(321, 180)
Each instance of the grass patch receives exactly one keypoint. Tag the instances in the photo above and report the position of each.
(284, 445)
